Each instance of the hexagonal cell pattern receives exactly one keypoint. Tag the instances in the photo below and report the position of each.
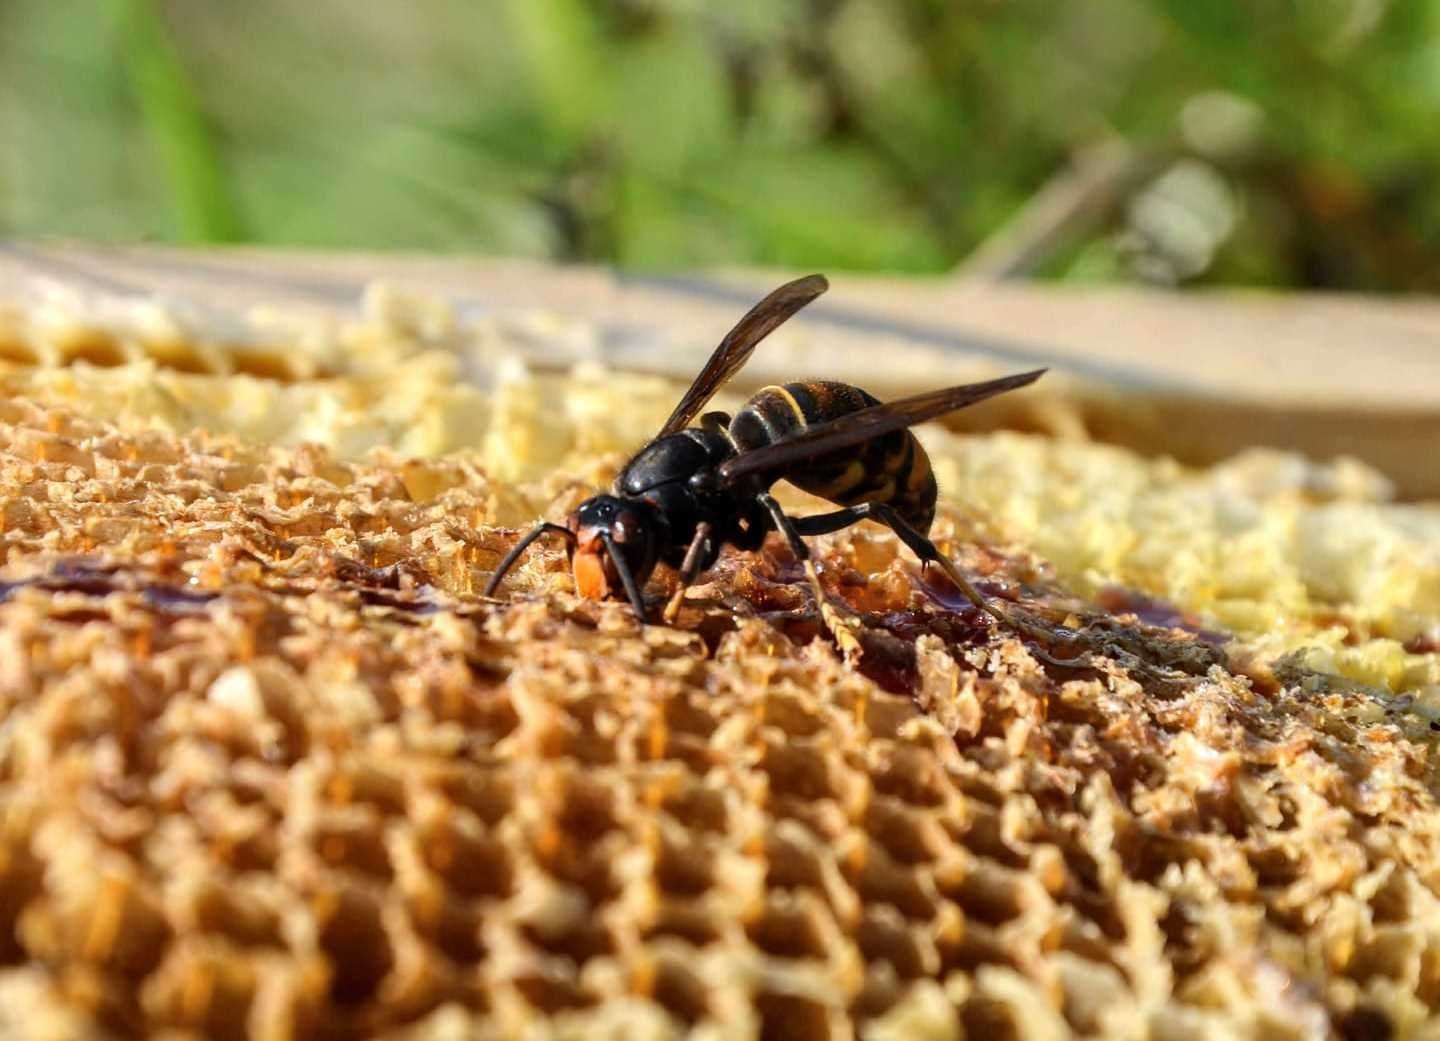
(271, 769)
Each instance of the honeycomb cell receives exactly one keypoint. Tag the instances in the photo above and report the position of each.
(354, 940)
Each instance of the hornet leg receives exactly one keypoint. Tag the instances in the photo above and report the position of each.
(921, 546)
(520, 547)
(690, 567)
(839, 627)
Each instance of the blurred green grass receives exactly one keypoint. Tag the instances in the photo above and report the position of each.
(1251, 142)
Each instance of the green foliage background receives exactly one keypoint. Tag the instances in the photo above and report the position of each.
(1293, 143)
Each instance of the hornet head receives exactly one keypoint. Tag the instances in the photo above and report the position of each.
(615, 547)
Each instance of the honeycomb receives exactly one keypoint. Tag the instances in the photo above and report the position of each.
(274, 770)
(1296, 558)
(1303, 561)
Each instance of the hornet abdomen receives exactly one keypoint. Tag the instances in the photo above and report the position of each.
(892, 469)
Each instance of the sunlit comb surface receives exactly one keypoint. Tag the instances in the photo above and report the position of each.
(273, 769)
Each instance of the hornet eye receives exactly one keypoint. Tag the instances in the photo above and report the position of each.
(627, 525)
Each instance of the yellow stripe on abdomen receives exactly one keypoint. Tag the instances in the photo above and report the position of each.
(920, 472)
(800, 419)
(835, 489)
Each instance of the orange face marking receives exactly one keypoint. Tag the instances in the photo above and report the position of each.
(590, 579)
(594, 573)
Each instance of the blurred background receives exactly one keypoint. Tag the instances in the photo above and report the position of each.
(1178, 142)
